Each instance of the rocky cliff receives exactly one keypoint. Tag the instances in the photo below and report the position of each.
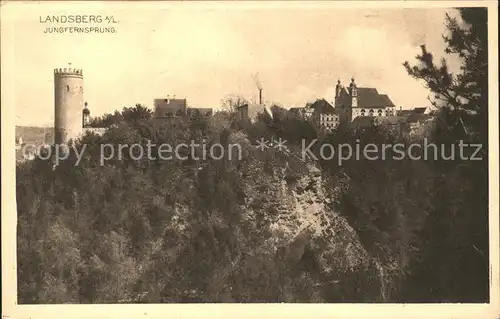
(308, 236)
(291, 234)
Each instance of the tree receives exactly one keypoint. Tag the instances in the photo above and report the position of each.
(130, 115)
(466, 93)
(134, 114)
(455, 235)
(232, 102)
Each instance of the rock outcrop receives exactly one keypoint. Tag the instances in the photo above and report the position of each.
(306, 233)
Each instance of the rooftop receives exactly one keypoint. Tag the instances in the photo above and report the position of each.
(419, 110)
(391, 120)
(322, 106)
(404, 112)
(370, 98)
(418, 117)
(367, 98)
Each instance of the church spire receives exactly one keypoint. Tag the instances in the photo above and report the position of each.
(353, 91)
(353, 88)
(338, 88)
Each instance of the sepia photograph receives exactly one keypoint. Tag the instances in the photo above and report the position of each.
(250, 153)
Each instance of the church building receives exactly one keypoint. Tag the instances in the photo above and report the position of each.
(352, 101)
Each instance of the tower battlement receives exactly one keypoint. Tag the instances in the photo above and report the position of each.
(69, 71)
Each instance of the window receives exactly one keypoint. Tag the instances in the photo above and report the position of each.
(67, 88)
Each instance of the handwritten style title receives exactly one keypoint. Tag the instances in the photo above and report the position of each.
(77, 19)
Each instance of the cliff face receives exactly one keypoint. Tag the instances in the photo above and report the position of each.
(291, 244)
(308, 236)
(287, 243)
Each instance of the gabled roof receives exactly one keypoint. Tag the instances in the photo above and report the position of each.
(367, 98)
(404, 112)
(419, 110)
(297, 110)
(370, 98)
(322, 106)
(386, 101)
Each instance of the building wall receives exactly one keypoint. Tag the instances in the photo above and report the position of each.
(329, 121)
(387, 111)
(68, 104)
(170, 107)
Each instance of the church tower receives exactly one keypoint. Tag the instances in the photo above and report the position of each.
(338, 88)
(353, 91)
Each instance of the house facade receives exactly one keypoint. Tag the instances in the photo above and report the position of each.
(170, 107)
(321, 113)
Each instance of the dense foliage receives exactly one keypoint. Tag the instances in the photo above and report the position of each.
(128, 114)
(454, 266)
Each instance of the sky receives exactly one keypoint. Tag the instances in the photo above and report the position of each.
(205, 53)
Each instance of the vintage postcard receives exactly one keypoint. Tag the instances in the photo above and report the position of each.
(250, 159)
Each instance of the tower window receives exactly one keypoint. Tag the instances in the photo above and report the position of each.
(67, 88)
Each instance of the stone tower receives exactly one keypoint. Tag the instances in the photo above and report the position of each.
(68, 103)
